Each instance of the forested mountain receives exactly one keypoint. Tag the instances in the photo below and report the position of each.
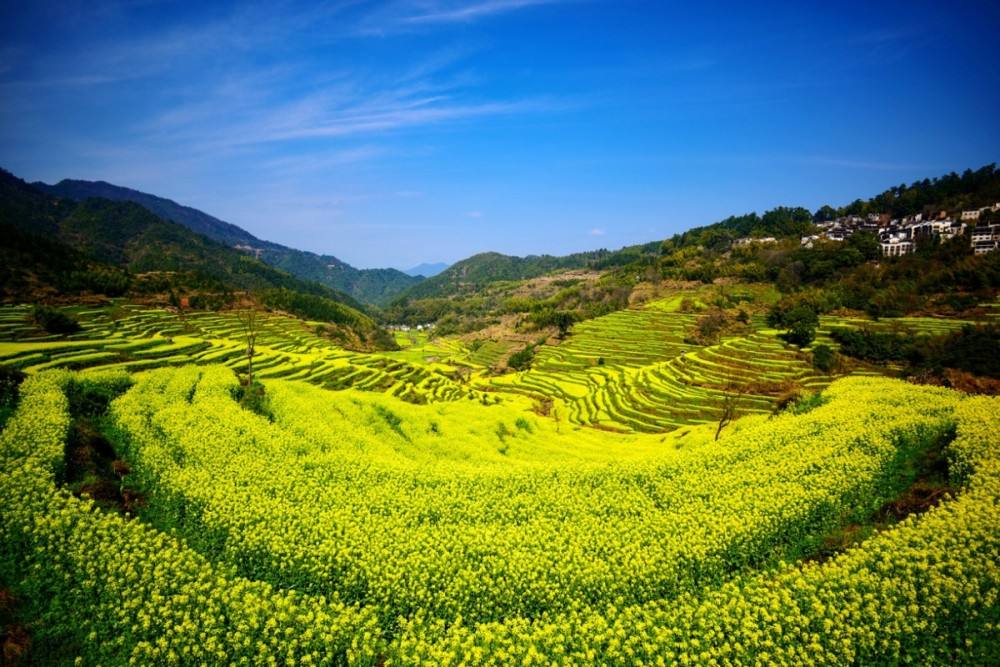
(56, 247)
(192, 218)
(480, 270)
(376, 286)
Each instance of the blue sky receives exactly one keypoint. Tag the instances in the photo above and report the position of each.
(391, 133)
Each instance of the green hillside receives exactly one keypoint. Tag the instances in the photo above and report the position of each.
(483, 269)
(100, 247)
(374, 286)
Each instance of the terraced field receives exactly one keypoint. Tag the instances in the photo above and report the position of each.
(631, 370)
(135, 338)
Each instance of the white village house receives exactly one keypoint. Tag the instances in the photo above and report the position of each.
(900, 237)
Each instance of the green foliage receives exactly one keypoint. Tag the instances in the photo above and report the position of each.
(54, 320)
(10, 382)
(807, 403)
(367, 285)
(312, 307)
(801, 323)
(521, 359)
(99, 246)
(253, 397)
(974, 349)
(824, 359)
(91, 396)
(870, 345)
(475, 272)
(561, 319)
(798, 318)
(971, 189)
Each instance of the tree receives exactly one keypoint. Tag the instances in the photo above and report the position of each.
(823, 358)
(248, 320)
(866, 243)
(54, 320)
(563, 321)
(825, 213)
(801, 323)
(521, 359)
(730, 404)
(710, 326)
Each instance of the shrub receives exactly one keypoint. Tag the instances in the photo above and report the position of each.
(823, 358)
(873, 345)
(801, 323)
(973, 349)
(254, 398)
(54, 320)
(522, 359)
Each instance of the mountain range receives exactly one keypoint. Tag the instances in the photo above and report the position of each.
(378, 287)
(373, 286)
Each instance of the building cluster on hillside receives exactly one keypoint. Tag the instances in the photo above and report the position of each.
(900, 236)
(407, 327)
(249, 249)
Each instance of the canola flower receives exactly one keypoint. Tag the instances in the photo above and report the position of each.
(925, 592)
(357, 528)
(128, 594)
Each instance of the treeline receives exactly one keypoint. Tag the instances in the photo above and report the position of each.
(781, 222)
(944, 278)
(939, 279)
(952, 192)
(973, 189)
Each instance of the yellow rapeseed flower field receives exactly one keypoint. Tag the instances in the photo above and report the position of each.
(356, 528)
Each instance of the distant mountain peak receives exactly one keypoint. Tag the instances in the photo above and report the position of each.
(427, 269)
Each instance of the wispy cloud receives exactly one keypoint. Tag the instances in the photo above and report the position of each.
(450, 12)
(292, 164)
(287, 104)
(597, 231)
(409, 15)
(473, 214)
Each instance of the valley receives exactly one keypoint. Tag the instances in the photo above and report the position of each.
(692, 451)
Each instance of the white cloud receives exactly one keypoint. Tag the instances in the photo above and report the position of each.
(450, 12)
(408, 15)
(596, 231)
(474, 214)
